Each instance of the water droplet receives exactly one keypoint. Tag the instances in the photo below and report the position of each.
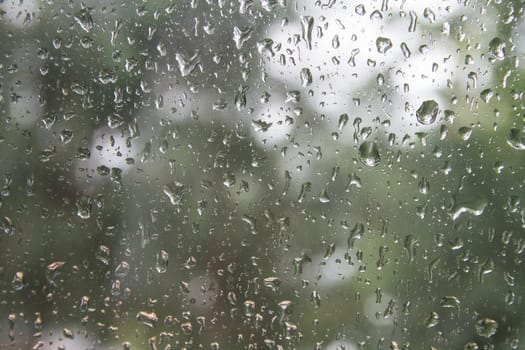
(187, 64)
(240, 97)
(68, 333)
(369, 154)
(162, 262)
(323, 197)
(241, 35)
(360, 9)
(272, 282)
(103, 254)
(423, 186)
(148, 319)
(18, 281)
(84, 207)
(6, 226)
(115, 120)
(343, 119)
(486, 95)
(432, 320)
(405, 49)
(249, 308)
(305, 187)
(471, 346)
(122, 269)
(486, 327)
(497, 48)
(474, 207)
(306, 77)
(175, 192)
(413, 22)
(465, 132)
(450, 302)
(84, 303)
(53, 271)
(307, 24)
(427, 112)
(84, 19)
(429, 15)
(516, 139)
(229, 179)
(383, 44)
(316, 298)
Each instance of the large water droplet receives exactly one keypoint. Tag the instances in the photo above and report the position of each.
(516, 139)
(369, 154)
(427, 112)
(307, 24)
(383, 44)
(497, 48)
(175, 192)
(18, 281)
(306, 77)
(486, 327)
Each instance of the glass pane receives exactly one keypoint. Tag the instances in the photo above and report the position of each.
(262, 174)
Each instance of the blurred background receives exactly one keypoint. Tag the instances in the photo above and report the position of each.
(262, 174)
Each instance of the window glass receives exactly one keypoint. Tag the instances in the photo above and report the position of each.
(262, 174)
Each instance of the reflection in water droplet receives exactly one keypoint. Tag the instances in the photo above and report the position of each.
(427, 112)
(369, 154)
